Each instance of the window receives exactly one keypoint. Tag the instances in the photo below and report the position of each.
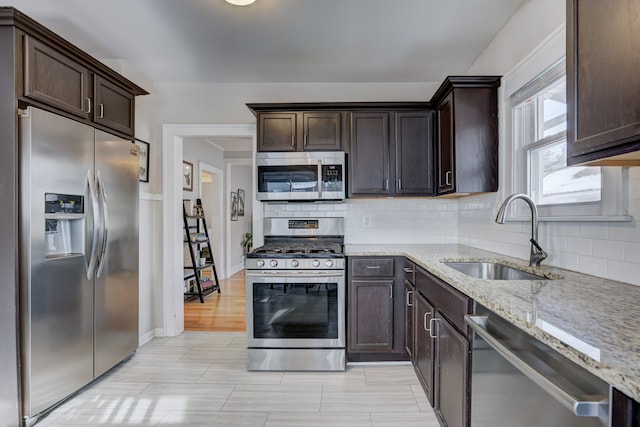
(539, 124)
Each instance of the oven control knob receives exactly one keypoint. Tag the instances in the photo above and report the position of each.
(329, 263)
(315, 263)
(295, 263)
(273, 263)
(260, 263)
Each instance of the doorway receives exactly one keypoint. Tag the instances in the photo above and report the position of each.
(172, 148)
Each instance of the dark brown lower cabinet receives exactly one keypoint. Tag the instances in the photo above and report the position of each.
(409, 295)
(423, 359)
(442, 349)
(375, 309)
(452, 361)
(371, 314)
(625, 412)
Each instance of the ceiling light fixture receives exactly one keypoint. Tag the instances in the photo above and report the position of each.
(240, 2)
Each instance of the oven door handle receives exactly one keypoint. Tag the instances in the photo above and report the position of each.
(296, 274)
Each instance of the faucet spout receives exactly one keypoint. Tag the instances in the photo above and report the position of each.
(537, 253)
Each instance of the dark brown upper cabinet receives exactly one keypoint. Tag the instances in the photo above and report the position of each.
(603, 113)
(391, 153)
(55, 79)
(54, 75)
(113, 106)
(467, 135)
(300, 131)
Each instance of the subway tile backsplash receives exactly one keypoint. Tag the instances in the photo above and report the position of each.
(605, 249)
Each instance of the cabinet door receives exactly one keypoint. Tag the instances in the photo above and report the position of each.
(414, 153)
(321, 131)
(423, 345)
(114, 106)
(277, 132)
(369, 154)
(451, 374)
(371, 316)
(446, 155)
(409, 321)
(603, 113)
(54, 79)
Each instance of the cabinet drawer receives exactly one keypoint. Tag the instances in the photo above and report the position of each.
(372, 267)
(451, 303)
(409, 271)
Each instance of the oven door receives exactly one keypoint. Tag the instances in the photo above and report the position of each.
(296, 309)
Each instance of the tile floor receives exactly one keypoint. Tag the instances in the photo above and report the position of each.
(200, 379)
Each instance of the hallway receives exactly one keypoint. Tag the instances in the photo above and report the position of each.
(221, 312)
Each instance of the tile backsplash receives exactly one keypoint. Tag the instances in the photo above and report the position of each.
(389, 220)
(605, 249)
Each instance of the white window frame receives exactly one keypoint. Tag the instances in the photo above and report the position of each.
(613, 205)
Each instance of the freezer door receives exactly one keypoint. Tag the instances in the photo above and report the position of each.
(116, 283)
(56, 297)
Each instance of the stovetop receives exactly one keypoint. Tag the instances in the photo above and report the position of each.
(298, 250)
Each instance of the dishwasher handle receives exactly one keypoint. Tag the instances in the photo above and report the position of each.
(579, 407)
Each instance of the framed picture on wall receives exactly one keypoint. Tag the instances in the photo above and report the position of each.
(187, 176)
(143, 158)
(234, 206)
(240, 202)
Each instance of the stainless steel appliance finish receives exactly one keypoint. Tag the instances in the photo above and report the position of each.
(296, 297)
(79, 256)
(302, 176)
(492, 271)
(517, 380)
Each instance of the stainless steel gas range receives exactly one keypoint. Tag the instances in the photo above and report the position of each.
(296, 296)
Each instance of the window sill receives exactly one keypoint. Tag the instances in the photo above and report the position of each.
(569, 218)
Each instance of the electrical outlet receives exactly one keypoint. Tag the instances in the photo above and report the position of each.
(366, 220)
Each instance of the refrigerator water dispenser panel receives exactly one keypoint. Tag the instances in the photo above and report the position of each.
(64, 225)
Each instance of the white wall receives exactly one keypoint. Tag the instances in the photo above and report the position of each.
(604, 249)
(240, 177)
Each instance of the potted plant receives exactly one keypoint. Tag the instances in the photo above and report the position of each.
(247, 243)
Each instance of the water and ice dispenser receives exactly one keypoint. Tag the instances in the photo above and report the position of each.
(64, 223)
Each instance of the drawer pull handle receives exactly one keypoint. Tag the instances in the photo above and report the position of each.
(408, 270)
(373, 267)
(424, 322)
(409, 299)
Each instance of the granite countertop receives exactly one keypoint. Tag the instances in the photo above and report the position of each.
(590, 320)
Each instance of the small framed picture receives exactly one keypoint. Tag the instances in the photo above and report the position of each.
(143, 158)
(234, 206)
(187, 176)
(240, 202)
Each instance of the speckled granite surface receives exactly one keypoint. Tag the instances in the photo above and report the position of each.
(592, 321)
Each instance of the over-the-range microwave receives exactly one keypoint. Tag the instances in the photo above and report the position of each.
(301, 176)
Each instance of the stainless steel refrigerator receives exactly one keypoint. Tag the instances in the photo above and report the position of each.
(78, 256)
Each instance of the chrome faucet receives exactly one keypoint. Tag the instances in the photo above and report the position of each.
(537, 254)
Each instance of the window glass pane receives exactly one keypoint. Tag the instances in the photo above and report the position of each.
(554, 109)
(552, 182)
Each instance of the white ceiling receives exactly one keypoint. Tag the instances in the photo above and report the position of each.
(320, 41)
(280, 40)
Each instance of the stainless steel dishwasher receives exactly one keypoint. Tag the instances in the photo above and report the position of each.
(517, 381)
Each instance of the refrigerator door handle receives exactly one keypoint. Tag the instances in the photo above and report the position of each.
(96, 223)
(105, 223)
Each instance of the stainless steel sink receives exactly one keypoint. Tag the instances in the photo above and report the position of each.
(492, 271)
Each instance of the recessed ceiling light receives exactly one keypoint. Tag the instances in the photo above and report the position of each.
(240, 2)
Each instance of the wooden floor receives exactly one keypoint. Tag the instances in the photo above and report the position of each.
(221, 312)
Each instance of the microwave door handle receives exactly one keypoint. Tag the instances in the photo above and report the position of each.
(320, 178)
